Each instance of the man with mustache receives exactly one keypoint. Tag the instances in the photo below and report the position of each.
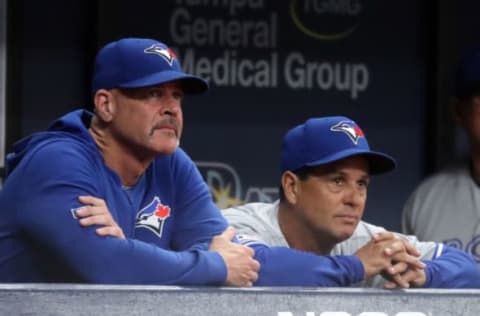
(123, 161)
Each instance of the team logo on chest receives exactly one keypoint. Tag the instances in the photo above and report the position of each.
(153, 216)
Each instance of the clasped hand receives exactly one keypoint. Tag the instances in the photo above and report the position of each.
(393, 258)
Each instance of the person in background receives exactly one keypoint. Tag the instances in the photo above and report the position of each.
(446, 206)
(124, 160)
(326, 165)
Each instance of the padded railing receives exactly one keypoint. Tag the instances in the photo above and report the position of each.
(105, 300)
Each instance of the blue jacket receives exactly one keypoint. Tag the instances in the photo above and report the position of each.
(168, 217)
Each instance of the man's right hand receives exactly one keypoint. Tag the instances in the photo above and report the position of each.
(242, 269)
(96, 212)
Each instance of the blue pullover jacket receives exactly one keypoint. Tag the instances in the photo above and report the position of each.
(168, 217)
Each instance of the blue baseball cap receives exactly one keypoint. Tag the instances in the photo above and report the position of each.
(141, 62)
(467, 78)
(325, 140)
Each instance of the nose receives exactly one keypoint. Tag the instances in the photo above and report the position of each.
(354, 196)
(171, 106)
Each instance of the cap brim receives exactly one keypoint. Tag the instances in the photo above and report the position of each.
(190, 84)
(378, 162)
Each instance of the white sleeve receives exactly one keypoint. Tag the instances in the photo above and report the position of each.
(247, 228)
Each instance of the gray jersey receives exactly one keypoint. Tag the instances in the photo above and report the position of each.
(446, 208)
(258, 223)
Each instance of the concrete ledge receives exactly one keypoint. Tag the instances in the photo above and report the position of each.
(73, 299)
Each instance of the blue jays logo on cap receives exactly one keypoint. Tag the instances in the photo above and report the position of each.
(165, 53)
(153, 216)
(352, 130)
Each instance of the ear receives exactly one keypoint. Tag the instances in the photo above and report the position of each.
(290, 184)
(104, 105)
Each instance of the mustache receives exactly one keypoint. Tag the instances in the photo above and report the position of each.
(166, 122)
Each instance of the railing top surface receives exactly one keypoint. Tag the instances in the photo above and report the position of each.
(211, 289)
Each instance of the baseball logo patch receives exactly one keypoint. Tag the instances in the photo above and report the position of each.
(153, 216)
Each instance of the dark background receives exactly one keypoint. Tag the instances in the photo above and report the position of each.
(234, 132)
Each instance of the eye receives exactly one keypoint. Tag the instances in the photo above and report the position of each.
(338, 180)
(336, 183)
(153, 93)
(363, 183)
(178, 94)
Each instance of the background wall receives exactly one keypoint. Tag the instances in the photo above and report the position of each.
(385, 64)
